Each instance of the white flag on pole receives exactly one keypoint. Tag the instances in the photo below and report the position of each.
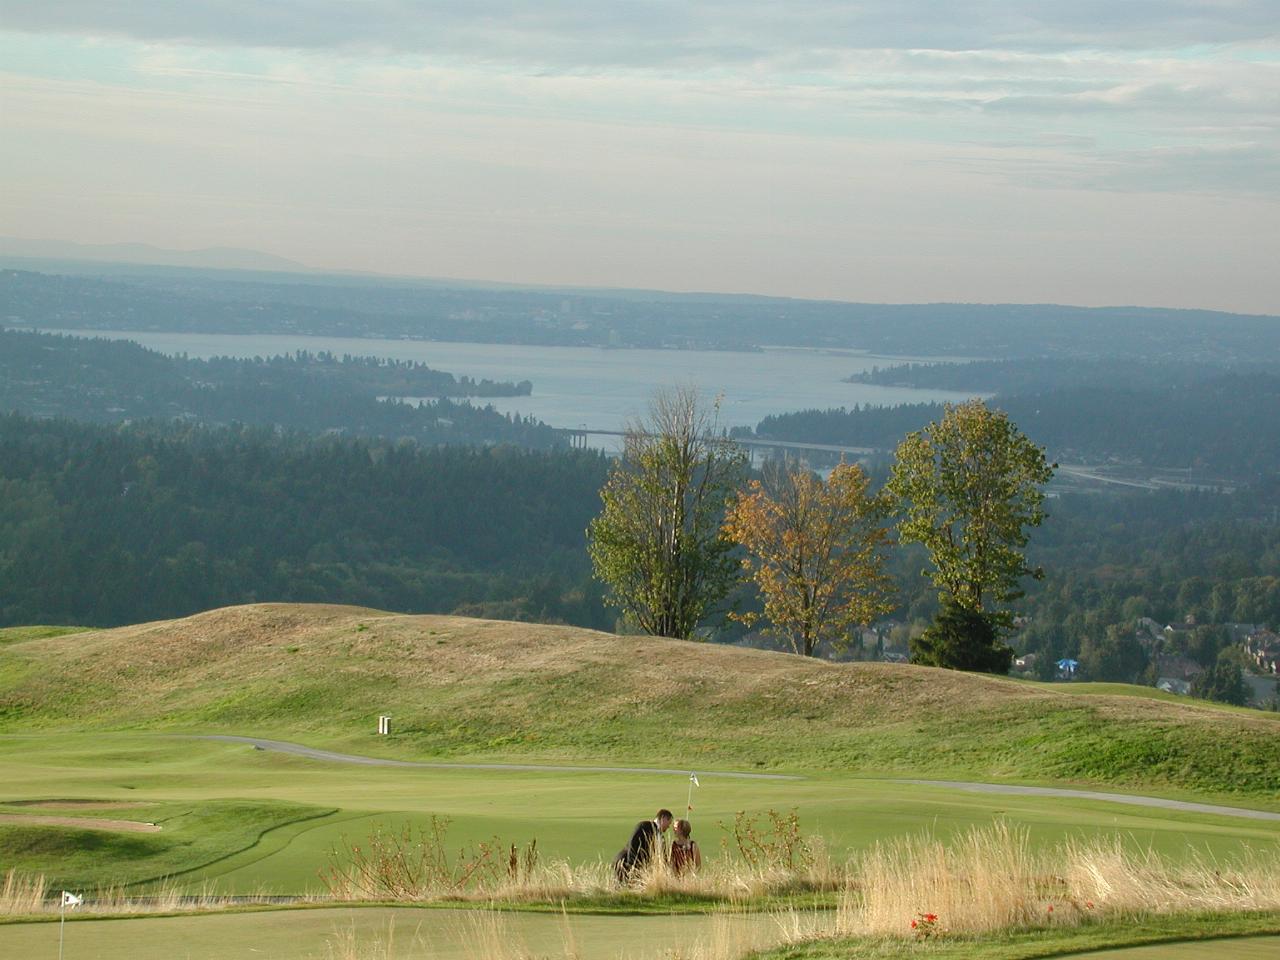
(693, 778)
(71, 900)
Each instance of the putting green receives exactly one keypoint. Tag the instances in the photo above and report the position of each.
(1244, 948)
(386, 933)
(577, 816)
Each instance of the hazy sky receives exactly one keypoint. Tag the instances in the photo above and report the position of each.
(1080, 151)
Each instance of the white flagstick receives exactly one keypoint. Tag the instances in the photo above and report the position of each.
(68, 900)
(693, 782)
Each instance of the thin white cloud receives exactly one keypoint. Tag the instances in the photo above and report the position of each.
(570, 34)
(909, 150)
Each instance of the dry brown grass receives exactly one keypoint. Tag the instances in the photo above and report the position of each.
(187, 660)
(491, 935)
(482, 689)
(21, 894)
(768, 856)
(991, 880)
(560, 881)
(29, 895)
(80, 823)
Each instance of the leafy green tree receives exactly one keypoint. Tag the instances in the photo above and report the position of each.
(967, 487)
(1204, 643)
(657, 543)
(961, 638)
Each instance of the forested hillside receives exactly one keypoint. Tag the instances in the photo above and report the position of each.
(228, 302)
(1210, 420)
(111, 381)
(108, 525)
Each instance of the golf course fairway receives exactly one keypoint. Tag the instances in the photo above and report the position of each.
(232, 754)
(285, 813)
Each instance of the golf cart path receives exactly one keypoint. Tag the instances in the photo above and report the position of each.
(297, 749)
(1128, 798)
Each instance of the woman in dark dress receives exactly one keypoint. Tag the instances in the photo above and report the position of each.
(685, 855)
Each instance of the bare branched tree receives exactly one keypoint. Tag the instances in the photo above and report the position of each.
(657, 542)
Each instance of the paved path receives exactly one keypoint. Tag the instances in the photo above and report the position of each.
(299, 750)
(1160, 802)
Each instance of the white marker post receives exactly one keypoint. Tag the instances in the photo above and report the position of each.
(384, 724)
(68, 900)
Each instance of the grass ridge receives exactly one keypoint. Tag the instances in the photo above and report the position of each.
(509, 692)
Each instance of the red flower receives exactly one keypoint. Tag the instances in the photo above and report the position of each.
(913, 924)
(930, 917)
(1051, 908)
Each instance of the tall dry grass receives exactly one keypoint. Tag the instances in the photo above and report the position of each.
(21, 894)
(30, 895)
(991, 879)
(491, 935)
(761, 855)
(560, 880)
(988, 880)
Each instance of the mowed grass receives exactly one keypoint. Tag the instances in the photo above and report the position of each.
(381, 933)
(10, 635)
(474, 689)
(191, 835)
(1101, 688)
(415, 934)
(110, 716)
(579, 817)
(1198, 937)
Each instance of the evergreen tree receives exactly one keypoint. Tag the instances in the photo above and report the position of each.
(961, 638)
(1222, 682)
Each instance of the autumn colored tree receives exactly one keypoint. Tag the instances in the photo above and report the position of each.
(967, 487)
(657, 542)
(814, 550)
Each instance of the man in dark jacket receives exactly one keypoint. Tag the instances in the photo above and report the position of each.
(645, 842)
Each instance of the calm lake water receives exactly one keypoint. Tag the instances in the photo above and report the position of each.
(590, 387)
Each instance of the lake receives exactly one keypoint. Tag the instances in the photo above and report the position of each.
(590, 387)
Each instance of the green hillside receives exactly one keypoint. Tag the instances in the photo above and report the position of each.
(461, 688)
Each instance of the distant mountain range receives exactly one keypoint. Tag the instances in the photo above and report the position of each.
(208, 258)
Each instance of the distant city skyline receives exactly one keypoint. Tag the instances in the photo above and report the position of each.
(1088, 153)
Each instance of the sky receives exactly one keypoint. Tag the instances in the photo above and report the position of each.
(1089, 152)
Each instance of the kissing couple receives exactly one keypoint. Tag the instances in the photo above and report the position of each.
(647, 846)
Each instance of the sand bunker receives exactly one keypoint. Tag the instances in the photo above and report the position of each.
(76, 804)
(84, 823)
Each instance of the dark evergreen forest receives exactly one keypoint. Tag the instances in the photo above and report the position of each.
(87, 378)
(135, 486)
(108, 525)
(115, 524)
(1220, 421)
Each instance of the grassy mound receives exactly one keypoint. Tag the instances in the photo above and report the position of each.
(461, 688)
(192, 835)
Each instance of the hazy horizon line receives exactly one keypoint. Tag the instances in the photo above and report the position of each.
(297, 268)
